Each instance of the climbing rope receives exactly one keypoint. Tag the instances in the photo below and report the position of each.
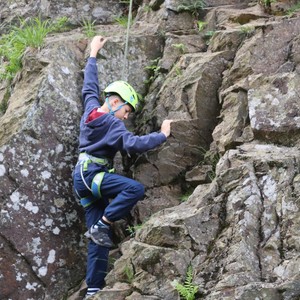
(126, 42)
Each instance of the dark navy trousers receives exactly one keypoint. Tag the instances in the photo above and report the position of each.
(119, 195)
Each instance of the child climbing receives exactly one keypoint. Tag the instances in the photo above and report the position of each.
(105, 195)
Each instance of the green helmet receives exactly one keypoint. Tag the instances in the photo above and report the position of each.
(125, 91)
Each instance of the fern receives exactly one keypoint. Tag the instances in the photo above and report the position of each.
(187, 290)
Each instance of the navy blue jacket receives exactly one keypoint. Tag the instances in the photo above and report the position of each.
(106, 135)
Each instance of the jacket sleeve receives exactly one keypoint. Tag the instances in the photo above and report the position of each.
(90, 89)
(139, 144)
(126, 141)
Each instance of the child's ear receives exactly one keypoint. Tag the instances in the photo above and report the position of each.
(115, 101)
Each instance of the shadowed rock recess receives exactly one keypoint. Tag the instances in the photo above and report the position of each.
(222, 194)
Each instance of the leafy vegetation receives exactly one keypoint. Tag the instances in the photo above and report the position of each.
(178, 71)
(147, 8)
(123, 21)
(267, 2)
(30, 33)
(89, 28)
(180, 47)
(247, 29)
(188, 289)
(60, 25)
(186, 196)
(129, 273)
(208, 36)
(201, 25)
(210, 158)
(133, 229)
(294, 8)
(154, 70)
(192, 6)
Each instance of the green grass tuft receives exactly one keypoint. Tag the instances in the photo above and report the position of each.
(30, 33)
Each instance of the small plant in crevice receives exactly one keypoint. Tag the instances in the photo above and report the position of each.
(188, 289)
(147, 8)
(153, 69)
(293, 9)
(174, 73)
(180, 47)
(193, 6)
(266, 4)
(247, 29)
(60, 25)
(133, 229)
(129, 273)
(89, 28)
(111, 262)
(210, 158)
(178, 71)
(123, 21)
(186, 196)
(201, 25)
(208, 36)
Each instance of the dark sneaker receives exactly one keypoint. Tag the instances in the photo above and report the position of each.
(100, 236)
(91, 292)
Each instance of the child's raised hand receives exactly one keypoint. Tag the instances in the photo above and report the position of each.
(166, 127)
(96, 44)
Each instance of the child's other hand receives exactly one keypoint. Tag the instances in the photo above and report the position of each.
(96, 44)
(166, 127)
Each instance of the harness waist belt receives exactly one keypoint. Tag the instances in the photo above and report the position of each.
(83, 157)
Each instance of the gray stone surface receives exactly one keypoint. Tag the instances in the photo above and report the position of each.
(232, 90)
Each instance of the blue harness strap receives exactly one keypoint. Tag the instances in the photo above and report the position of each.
(96, 184)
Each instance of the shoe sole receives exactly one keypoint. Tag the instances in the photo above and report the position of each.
(96, 241)
(87, 235)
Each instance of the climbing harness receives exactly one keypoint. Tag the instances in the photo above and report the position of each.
(84, 160)
(126, 42)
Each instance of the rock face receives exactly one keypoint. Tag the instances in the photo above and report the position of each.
(232, 90)
(39, 217)
(234, 232)
(76, 11)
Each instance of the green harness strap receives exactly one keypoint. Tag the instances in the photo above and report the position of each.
(86, 159)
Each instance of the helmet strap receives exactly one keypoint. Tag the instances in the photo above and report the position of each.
(111, 111)
(109, 106)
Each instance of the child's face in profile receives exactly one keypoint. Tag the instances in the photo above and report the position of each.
(123, 112)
